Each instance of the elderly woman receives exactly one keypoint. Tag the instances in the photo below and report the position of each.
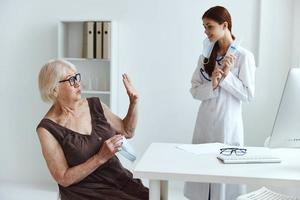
(79, 138)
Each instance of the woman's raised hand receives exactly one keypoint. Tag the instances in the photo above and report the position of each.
(132, 94)
(228, 63)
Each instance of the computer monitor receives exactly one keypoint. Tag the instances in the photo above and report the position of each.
(286, 129)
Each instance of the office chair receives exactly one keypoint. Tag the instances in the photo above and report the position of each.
(261, 193)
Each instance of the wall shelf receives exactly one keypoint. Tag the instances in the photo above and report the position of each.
(99, 77)
(95, 92)
(87, 59)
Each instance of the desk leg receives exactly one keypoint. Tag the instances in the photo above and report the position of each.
(154, 190)
(158, 190)
(164, 190)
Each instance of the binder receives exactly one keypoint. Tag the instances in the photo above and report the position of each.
(88, 40)
(98, 40)
(106, 40)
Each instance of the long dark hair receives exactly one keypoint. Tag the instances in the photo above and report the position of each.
(220, 15)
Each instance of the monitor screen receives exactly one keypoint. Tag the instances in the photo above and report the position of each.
(286, 129)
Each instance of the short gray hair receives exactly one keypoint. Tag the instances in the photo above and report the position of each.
(50, 75)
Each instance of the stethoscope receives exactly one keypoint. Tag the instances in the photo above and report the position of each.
(232, 49)
(219, 61)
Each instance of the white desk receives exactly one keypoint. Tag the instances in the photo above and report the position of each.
(163, 162)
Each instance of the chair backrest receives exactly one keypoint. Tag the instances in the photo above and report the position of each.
(265, 193)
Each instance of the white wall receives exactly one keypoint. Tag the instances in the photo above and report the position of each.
(159, 44)
(275, 60)
(296, 38)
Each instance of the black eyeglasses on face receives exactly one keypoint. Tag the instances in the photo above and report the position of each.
(72, 79)
(229, 151)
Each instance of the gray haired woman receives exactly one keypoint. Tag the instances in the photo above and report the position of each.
(79, 138)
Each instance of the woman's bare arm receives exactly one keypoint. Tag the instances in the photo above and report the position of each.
(127, 125)
(57, 164)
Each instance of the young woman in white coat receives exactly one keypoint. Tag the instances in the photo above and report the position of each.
(223, 79)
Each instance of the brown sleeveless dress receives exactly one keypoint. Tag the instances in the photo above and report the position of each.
(111, 181)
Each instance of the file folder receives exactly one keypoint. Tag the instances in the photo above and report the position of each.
(88, 40)
(99, 40)
(106, 40)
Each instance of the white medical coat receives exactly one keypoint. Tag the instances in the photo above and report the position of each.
(220, 117)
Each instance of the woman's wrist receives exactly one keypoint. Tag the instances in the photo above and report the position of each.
(214, 84)
(99, 159)
(133, 102)
(226, 71)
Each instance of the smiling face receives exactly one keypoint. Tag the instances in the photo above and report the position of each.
(66, 91)
(213, 29)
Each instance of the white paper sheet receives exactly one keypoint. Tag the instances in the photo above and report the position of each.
(207, 148)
